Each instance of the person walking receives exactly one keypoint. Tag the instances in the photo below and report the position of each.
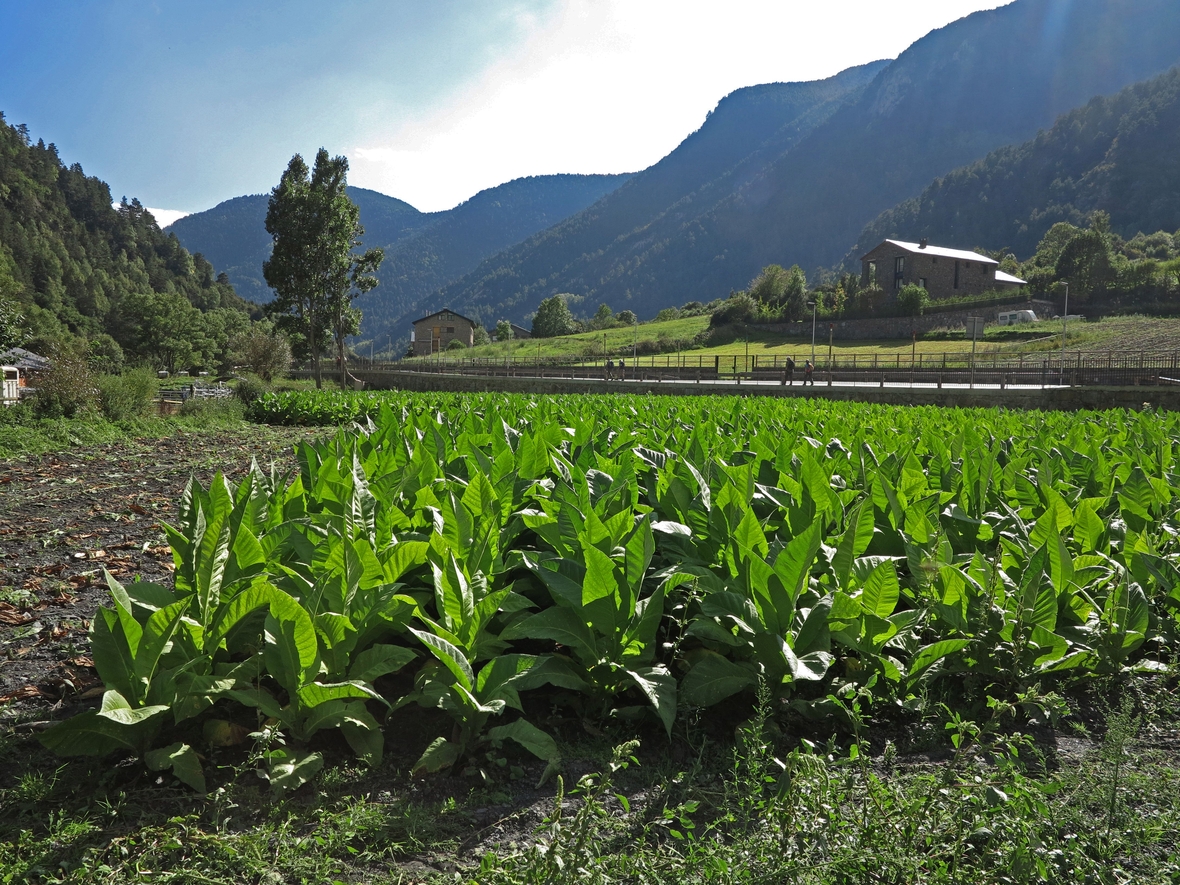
(610, 369)
(789, 374)
(622, 370)
(808, 368)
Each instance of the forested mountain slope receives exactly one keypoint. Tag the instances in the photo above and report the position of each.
(423, 251)
(619, 243)
(74, 267)
(233, 233)
(987, 80)
(1119, 154)
(457, 240)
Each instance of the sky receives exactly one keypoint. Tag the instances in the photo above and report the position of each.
(185, 103)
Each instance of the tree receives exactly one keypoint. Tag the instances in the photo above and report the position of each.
(603, 318)
(553, 318)
(264, 349)
(12, 323)
(504, 331)
(626, 317)
(783, 289)
(313, 267)
(913, 299)
(479, 336)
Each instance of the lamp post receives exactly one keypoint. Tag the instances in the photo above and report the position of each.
(813, 305)
(1064, 321)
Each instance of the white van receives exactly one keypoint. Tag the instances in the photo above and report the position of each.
(1012, 317)
(11, 390)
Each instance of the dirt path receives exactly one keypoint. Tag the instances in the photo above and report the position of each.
(65, 517)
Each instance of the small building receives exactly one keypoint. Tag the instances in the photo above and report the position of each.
(434, 332)
(25, 360)
(944, 273)
(520, 332)
(10, 391)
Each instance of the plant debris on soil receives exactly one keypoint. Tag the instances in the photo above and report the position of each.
(66, 517)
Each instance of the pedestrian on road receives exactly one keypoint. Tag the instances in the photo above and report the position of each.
(808, 368)
(622, 370)
(610, 369)
(789, 374)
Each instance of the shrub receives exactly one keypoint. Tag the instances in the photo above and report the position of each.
(66, 390)
(740, 307)
(266, 351)
(913, 299)
(127, 396)
(456, 344)
(251, 388)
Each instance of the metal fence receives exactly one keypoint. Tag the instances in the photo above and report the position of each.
(1077, 369)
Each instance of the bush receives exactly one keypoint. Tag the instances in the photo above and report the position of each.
(251, 388)
(913, 299)
(127, 396)
(738, 308)
(456, 344)
(66, 390)
(265, 350)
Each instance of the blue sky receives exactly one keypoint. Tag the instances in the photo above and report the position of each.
(185, 104)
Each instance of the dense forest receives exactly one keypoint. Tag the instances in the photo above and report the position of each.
(990, 79)
(1118, 154)
(74, 269)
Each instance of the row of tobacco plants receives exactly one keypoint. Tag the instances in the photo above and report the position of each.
(637, 558)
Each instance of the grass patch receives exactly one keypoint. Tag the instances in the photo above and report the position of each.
(982, 803)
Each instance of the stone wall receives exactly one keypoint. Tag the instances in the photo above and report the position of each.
(871, 328)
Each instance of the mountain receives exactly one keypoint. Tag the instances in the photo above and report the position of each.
(984, 81)
(1119, 154)
(75, 269)
(423, 251)
(618, 245)
(232, 235)
(457, 240)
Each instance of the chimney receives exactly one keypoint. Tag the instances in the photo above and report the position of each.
(922, 243)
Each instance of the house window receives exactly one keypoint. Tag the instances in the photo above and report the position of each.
(922, 282)
(450, 330)
(898, 271)
(934, 261)
(956, 274)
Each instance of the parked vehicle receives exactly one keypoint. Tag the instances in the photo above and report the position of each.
(1013, 317)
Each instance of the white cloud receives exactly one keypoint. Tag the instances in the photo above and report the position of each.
(165, 217)
(613, 85)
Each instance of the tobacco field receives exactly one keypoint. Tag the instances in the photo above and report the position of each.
(630, 564)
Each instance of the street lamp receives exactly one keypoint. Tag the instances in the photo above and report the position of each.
(813, 305)
(1064, 320)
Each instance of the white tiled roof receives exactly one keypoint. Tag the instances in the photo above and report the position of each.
(1002, 277)
(942, 252)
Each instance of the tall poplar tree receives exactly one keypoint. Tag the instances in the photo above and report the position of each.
(314, 267)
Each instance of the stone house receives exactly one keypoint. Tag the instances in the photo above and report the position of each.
(434, 332)
(944, 273)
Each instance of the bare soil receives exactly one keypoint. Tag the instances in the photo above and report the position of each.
(66, 517)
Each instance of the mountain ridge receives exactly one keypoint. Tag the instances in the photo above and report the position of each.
(992, 78)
